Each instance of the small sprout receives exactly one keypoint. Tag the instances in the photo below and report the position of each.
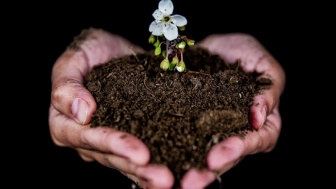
(166, 27)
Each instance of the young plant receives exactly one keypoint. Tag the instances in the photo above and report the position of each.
(164, 30)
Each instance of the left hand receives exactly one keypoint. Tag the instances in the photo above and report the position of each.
(264, 114)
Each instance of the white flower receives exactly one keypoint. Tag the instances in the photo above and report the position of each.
(165, 23)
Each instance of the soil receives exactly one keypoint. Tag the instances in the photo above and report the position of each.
(179, 116)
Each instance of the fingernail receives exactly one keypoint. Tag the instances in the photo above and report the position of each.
(79, 110)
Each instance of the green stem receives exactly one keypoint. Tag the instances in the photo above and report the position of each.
(167, 46)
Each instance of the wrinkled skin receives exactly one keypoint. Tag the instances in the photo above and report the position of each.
(72, 106)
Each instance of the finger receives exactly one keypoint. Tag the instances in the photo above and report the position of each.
(121, 164)
(195, 179)
(109, 160)
(265, 139)
(268, 99)
(117, 142)
(259, 110)
(229, 152)
(143, 183)
(90, 48)
(157, 176)
(66, 132)
(225, 152)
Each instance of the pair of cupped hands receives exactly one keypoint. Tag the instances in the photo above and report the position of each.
(72, 106)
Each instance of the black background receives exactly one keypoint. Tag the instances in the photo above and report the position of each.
(43, 31)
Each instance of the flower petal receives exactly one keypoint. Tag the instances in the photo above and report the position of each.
(166, 7)
(170, 32)
(157, 15)
(156, 28)
(179, 20)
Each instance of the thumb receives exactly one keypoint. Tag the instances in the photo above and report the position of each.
(69, 96)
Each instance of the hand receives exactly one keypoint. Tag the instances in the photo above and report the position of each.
(72, 106)
(264, 114)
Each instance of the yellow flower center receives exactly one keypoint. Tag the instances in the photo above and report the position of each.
(166, 19)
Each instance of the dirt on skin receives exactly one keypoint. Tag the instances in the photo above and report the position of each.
(179, 116)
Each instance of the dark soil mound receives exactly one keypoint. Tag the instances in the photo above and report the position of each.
(179, 116)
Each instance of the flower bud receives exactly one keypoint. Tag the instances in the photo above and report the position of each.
(164, 64)
(181, 45)
(164, 53)
(151, 39)
(182, 28)
(157, 51)
(157, 43)
(181, 67)
(190, 42)
(173, 63)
